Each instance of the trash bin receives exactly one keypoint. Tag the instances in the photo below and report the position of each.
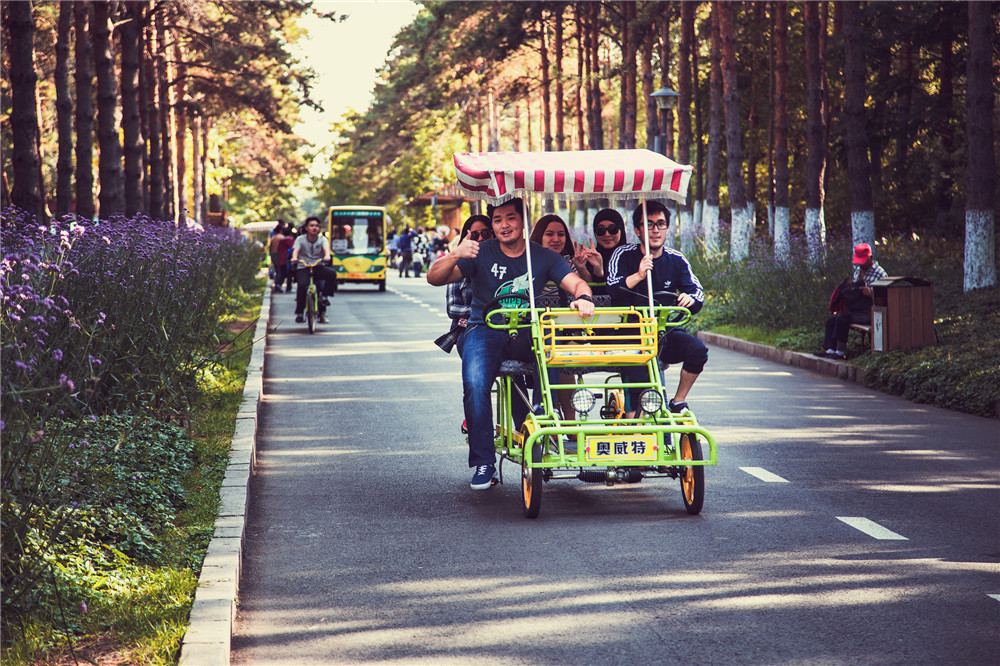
(902, 313)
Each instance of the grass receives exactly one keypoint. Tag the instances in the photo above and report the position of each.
(138, 613)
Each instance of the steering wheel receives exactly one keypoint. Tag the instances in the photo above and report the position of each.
(494, 309)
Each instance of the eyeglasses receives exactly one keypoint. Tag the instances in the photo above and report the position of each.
(606, 231)
(485, 234)
(659, 224)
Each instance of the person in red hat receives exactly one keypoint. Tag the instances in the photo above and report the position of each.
(851, 302)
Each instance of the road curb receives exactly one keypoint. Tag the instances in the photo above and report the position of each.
(823, 366)
(210, 628)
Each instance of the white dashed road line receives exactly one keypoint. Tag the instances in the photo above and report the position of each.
(995, 596)
(764, 475)
(871, 528)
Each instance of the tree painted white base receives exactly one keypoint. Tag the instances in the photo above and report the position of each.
(980, 250)
(863, 226)
(815, 232)
(710, 227)
(685, 224)
(782, 241)
(739, 234)
(580, 227)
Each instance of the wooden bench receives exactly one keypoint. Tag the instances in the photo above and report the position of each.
(866, 332)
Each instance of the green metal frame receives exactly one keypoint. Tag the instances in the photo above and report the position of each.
(664, 425)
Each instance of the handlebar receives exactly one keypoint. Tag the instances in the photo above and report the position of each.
(667, 316)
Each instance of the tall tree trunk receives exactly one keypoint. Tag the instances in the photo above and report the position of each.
(109, 165)
(980, 203)
(560, 101)
(205, 126)
(945, 103)
(546, 81)
(196, 165)
(666, 60)
(181, 207)
(153, 108)
(710, 214)
(782, 243)
(163, 94)
(858, 166)
(130, 35)
(699, 172)
(629, 102)
(26, 161)
(64, 111)
(597, 131)
(684, 118)
(753, 115)
(581, 140)
(815, 134)
(84, 117)
(741, 229)
(648, 88)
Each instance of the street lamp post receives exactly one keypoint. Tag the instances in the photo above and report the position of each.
(665, 99)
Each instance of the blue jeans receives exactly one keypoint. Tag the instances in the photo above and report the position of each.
(482, 351)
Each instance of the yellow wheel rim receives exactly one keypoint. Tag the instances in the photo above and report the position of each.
(687, 476)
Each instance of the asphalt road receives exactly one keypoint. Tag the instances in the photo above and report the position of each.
(365, 543)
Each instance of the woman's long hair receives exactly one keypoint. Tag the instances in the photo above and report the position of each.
(472, 220)
(539, 231)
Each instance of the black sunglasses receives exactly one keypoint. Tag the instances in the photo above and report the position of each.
(606, 231)
(485, 234)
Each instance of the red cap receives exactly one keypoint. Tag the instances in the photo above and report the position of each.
(862, 253)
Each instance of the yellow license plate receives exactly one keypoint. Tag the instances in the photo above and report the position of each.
(620, 447)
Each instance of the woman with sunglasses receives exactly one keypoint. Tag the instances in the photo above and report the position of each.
(609, 230)
(459, 294)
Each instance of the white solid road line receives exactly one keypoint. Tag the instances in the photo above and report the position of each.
(995, 596)
(871, 528)
(763, 474)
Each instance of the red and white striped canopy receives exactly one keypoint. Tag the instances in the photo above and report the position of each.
(572, 174)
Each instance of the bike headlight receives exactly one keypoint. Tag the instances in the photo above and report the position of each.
(651, 401)
(583, 400)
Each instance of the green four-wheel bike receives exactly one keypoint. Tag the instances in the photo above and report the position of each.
(600, 444)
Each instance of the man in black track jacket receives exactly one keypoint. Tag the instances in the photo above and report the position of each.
(671, 272)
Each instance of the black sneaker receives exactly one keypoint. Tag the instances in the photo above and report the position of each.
(325, 301)
(299, 319)
(677, 407)
(322, 319)
(484, 477)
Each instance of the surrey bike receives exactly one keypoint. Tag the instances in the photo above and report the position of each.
(598, 444)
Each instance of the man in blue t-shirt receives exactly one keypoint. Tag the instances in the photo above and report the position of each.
(671, 271)
(495, 268)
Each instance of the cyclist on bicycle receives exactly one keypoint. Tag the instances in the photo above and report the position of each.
(312, 252)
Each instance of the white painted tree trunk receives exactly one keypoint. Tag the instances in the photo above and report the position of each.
(770, 219)
(580, 230)
(815, 232)
(710, 224)
(863, 226)
(686, 225)
(782, 241)
(980, 249)
(739, 234)
(696, 217)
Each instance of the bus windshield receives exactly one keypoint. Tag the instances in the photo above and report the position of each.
(356, 231)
